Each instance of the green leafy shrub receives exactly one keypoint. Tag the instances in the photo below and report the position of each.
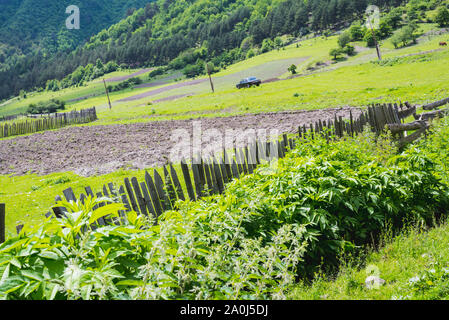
(196, 253)
(344, 193)
(125, 84)
(156, 72)
(51, 106)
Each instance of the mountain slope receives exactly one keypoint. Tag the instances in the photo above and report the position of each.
(190, 32)
(28, 25)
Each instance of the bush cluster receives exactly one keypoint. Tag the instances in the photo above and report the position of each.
(51, 106)
(125, 84)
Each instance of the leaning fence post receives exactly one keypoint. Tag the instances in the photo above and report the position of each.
(2, 223)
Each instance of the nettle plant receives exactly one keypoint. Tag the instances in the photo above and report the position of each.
(345, 193)
(200, 252)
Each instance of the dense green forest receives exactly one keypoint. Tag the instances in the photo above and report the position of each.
(38, 27)
(185, 34)
(27, 26)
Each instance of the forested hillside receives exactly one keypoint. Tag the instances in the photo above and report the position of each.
(31, 27)
(188, 33)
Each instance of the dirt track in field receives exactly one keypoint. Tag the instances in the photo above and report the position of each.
(104, 149)
(123, 78)
(163, 89)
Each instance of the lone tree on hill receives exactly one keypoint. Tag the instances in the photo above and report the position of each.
(292, 69)
(336, 52)
(442, 17)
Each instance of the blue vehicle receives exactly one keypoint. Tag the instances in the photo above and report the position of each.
(249, 82)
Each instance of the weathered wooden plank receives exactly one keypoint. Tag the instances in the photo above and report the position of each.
(131, 196)
(105, 191)
(153, 194)
(285, 143)
(197, 180)
(432, 114)
(396, 128)
(253, 152)
(312, 135)
(69, 195)
(187, 180)
(100, 195)
(227, 161)
(280, 148)
(91, 194)
(201, 171)
(210, 185)
(414, 136)
(59, 211)
(218, 175)
(224, 173)
(235, 170)
(239, 161)
(170, 187)
(147, 199)
(124, 198)
(243, 161)
(248, 160)
(112, 190)
(436, 104)
(19, 228)
(177, 184)
(139, 196)
(161, 191)
(103, 220)
(2, 222)
(261, 152)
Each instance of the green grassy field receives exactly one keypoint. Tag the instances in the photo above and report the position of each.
(29, 197)
(412, 264)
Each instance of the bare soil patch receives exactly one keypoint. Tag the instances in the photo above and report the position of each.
(95, 150)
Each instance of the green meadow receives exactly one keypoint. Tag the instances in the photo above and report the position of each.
(414, 73)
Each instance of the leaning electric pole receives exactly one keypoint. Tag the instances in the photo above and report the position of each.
(210, 78)
(373, 13)
(107, 93)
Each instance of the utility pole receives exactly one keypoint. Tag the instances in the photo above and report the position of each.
(210, 78)
(107, 93)
(374, 11)
(375, 41)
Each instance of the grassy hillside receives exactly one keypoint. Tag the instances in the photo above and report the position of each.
(317, 209)
(327, 87)
(186, 34)
(413, 264)
(20, 18)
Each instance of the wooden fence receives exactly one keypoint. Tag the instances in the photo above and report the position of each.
(159, 192)
(53, 121)
(2, 222)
